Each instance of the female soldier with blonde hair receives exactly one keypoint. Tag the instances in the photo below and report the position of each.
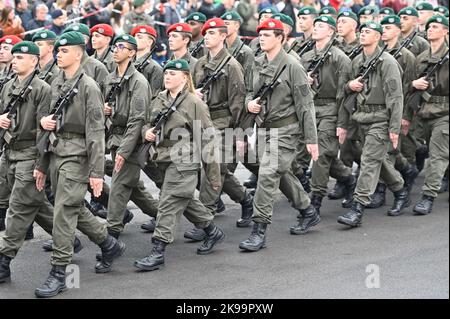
(179, 173)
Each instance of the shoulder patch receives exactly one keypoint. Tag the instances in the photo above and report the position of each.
(304, 90)
(392, 85)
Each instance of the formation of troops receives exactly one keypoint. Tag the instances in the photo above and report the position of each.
(369, 91)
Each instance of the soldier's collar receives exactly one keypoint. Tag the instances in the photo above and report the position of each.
(212, 63)
(273, 65)
(439, 54)
(236, 43)
(367, 59)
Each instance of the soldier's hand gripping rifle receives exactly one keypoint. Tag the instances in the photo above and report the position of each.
(262, 95)
(416, 97)
(12, 108)
(49, 137)
(351, 100)
(148, 149)
(357, 50)
(205, 84)
(111, 100)
(197, 47)
(141, 66)
(316, 64)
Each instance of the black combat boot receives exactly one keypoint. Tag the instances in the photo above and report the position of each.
(304, 180)
(444, 185)
(316, 201)
(421, 155)
(97, 209)
(307, 218)
(220, 206)
(30, 234)
(195, 234)
(5, 271)
(354, 217)
(338, 191)
(349, 187)
(156, 258)
(401, 200)
(257, 238)
(379, 197)
(247, 211)
(2, 219)
(111, 249)
(128, 217)
(114, 234)
(149, 226)
(251, 182)
(77, 245)
(409, 174)
(425, 206)
(214, 235)
(55, 283)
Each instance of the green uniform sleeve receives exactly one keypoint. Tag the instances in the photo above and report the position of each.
(391, 76)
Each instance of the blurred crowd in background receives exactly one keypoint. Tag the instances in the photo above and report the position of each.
(24, 17)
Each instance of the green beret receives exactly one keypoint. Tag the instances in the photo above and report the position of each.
(391, 19)
(78, 27)
(348, 14)
(138, 3)
(326, 19)
(328, 10)
(368, 10)
(372, 25)
(44, 35)
(437, 19)
(307, 11)
(196, 16)
(231, 16)
(26, 47)
(441, 10)
(267, 10)
(387, 11)
(424, 6)
(69, 38)
(125, 38)
(284, 18)
(179, 64)
(408, 11)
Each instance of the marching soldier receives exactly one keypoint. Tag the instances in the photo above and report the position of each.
(263, 15)
(6, 44)
(145, 37)
(180, 173)
(31, 99)
(328, 81)
(409, 21)
(196, 20)
(433, 111)
(225, 100)
(290, 110)
(288, 25)
(426, 11)
(127, 119)
(306, 16)
(347, 23)
(386, 11)
(379, 108)
(93, 68)
(45, 40)
(242, 53)
(180, 35)
(101, 37)
(136, 17)
(328, 11)
(368, 13)
(75, 161)
(406, 158)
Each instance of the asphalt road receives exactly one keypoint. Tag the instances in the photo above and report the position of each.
(410, 254)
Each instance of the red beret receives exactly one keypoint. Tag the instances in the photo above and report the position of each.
(270, 24)
(10, 39)
(180, 27)
(144, 29)
(102, 28)
(213, 23)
